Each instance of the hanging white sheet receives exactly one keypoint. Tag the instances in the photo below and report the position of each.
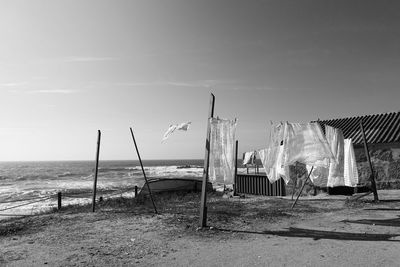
(249, 157)
(182, 126)
(350, 165)
(319, 175)
(222, 151)
(271, 158)
(336, 168)
(305, 143)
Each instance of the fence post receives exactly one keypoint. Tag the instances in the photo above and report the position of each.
(236, 163)
(136, 191)
(96, 171)
(59, 200)
(203, 200)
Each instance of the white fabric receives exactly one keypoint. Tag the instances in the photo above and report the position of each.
(249, 157)
(350, 165)
(305, 143)
(182, 126)
(222, 151)
(319, 175)
(336, 168)
(271, 158)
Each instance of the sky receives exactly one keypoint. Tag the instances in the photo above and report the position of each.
(71, 67)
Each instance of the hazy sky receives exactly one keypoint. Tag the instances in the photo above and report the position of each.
(69, 68)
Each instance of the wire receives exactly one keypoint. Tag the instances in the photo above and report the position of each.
(9, 208)
(21, 200)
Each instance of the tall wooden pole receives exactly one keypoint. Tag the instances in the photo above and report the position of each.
(203, 204)
(372, 177)
(236, 163)
(96, 171)
(144, 173)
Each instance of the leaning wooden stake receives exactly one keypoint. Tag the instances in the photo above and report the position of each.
(96, 171)
(144, 173)
(303, 187)
(372, 177)
(203, 204)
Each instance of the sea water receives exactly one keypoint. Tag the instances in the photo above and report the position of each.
(39, 182)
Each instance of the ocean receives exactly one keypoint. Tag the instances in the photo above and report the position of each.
(29, 187)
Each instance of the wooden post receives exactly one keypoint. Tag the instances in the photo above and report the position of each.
(144, 173)
(96, 171)
(203, 204)
(372, 177)
(301, 190)
(136, 188)
(236, 163)
(59, 200)
(295, 183)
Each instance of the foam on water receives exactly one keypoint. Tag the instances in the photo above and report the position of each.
(28, 180)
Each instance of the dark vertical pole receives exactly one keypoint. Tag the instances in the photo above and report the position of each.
(96, 171)
(203, 204)
(236, 163)
(144, 173)
(372, 177)
(294, 181)
(59, 200)
(301, 190)
(136, 191)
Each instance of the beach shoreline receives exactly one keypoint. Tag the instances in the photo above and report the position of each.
(254, 230)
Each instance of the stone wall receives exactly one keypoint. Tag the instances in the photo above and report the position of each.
(386, 163)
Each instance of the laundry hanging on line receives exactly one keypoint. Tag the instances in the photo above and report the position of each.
(182, 126)
(350, 165)
(249, 157)
(271, 159)
(292, 143)
(222, 150)
(306, 143)
(341, 173)
(336, 168)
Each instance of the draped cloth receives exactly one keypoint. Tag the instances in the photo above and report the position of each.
(222, 151)
(295, 142)
(271, 159)
(350, 165)
(182, 126)
(306, 143)
(343, 171)
(336, 168)
(249, 157)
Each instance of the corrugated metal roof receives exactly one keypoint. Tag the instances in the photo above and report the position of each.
(379, 128)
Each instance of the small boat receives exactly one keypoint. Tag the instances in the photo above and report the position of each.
(160, 185)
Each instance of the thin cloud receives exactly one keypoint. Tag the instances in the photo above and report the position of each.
(57, 91)
(12, 84)
(88, 59)
(198, 83)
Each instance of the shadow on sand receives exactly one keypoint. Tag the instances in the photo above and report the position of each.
(389, 222)
(317, 234)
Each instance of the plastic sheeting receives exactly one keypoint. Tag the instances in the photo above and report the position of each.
(306, 143)
(350, 165)
(222, 151)
(182, 126)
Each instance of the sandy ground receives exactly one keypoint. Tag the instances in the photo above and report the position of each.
(251, 231)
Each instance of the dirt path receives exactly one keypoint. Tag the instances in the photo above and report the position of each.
(244, 232)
